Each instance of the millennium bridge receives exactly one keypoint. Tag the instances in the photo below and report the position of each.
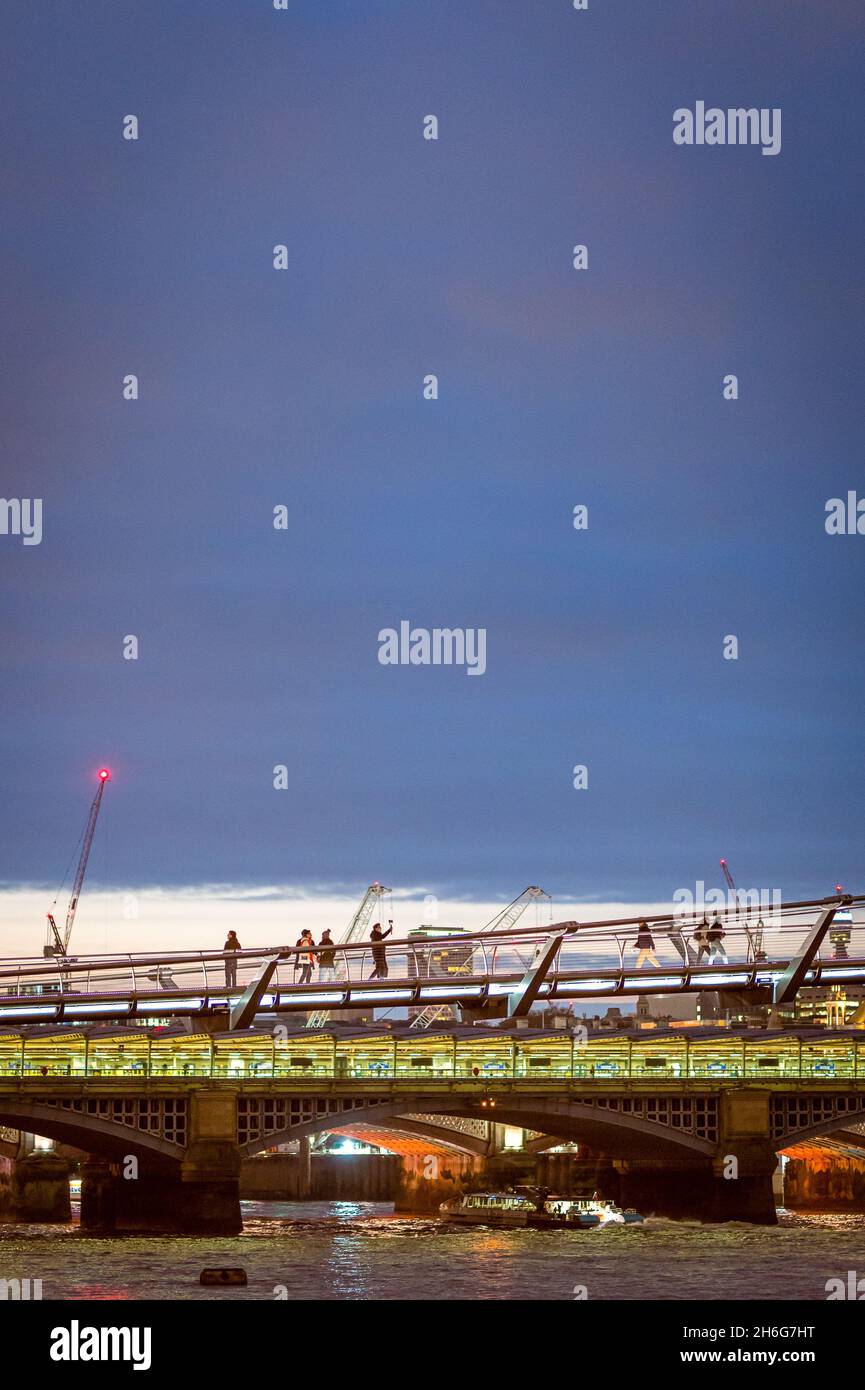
(763, 957)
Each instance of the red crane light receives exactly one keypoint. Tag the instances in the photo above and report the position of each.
(104, 774)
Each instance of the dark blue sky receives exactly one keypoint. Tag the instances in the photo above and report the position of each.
(303, 387)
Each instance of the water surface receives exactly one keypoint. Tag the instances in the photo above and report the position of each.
(362, 1251)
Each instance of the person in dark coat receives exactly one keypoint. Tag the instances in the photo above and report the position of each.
(645, 945)
(232, 944)
(379, 953)
(716, 937)
(326, 958)
(701, 940)
(305, 958)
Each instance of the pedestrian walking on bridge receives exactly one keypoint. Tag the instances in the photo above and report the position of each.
(305, 958)
(379, 953)
(326, 958)
(716, 937)
(232, 944)
(645, 945)
(701, 940)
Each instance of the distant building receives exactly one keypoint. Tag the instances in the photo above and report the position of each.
(831, 1006)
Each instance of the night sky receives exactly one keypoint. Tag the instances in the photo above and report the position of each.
(557, 387)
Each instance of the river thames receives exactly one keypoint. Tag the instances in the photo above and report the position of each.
(362, 1251)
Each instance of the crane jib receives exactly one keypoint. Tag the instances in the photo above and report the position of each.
(61, 944)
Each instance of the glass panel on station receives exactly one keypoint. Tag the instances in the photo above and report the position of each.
(602, 1058)
(422, 1055)
(543, 1058)
(659, 1057)
(10, 1054)
(488, 1058)
(118, 1054)
(53, 1055)
(365, 1058)
(772, 1057)
(244, 1054)
(835, 1057)
(180, 1055)
(721, 1058)
(304, 1055)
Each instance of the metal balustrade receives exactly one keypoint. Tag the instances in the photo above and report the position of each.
(593, 959)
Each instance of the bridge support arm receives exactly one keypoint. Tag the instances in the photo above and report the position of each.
(246, 1006)
(523, 997)
(788, 986)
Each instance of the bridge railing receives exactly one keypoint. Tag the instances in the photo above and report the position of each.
(209, 978)
(746, 940)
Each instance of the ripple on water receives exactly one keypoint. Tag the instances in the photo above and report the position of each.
(362, 1251)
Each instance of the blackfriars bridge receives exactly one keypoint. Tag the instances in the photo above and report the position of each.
(693, 1121)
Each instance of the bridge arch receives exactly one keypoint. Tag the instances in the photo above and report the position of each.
(94, 1133)
(442, 1136)
(616, 1131)
(820, 1129)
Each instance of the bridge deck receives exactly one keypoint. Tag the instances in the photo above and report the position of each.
(38, 1004)
(474, 969)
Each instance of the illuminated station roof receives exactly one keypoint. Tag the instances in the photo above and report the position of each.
(462, 1052)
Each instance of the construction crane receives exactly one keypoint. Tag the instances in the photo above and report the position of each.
(359, 922)
(57, 945)
(356, 928)
(510, 915)
(757, 935)
(730, 882)
(503, 922)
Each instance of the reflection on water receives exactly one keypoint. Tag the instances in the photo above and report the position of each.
(357, 1250)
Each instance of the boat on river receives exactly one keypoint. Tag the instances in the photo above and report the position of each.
(518, 1209)
(489, 1209)
(583, 1212)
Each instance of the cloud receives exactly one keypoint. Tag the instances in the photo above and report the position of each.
(197, 917)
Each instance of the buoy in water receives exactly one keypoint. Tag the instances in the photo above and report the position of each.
(223, 1278)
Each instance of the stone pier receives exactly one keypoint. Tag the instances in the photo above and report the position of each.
(820, 1179)
(198, 1196)
(34, 1188)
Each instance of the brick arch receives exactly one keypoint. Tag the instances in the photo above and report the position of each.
(89, 1130)
(622, 1128)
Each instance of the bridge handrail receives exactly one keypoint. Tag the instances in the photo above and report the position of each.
(594, 931)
